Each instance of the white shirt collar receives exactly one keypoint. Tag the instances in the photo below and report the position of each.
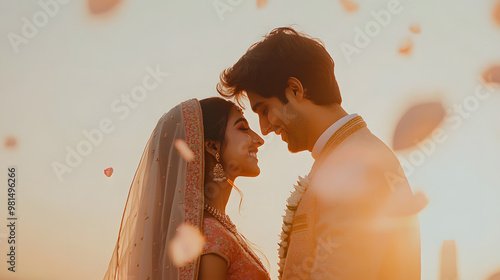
(321, 142)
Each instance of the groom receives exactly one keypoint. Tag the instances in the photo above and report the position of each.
(357, 218)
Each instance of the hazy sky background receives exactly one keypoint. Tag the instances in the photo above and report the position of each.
(64, 79)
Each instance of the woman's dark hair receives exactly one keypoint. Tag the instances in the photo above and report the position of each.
(215, 117)
(216, 113)
(265, 68)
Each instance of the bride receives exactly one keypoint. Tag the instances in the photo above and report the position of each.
(170, 189)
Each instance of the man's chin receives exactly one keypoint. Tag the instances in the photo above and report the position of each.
(293, 149)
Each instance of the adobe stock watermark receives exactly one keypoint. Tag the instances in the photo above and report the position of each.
(363, 37)
(121, 107)
(31, 27)
(319, 264)
(225, 6)
(455, 117)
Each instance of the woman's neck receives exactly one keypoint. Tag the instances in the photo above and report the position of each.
(217, 194)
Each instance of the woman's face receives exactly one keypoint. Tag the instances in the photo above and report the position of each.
(239, 154)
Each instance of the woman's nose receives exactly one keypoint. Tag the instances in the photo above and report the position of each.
(258, 140)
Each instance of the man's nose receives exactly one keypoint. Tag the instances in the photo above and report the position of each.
(265, 127)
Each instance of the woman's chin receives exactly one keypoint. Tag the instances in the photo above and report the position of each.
(254, 172)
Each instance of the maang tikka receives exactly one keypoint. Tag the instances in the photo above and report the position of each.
(219, 174)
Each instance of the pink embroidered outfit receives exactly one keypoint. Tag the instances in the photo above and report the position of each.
(166, 192)
(240, 264)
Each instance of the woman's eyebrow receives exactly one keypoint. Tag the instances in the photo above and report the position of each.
(240, 120)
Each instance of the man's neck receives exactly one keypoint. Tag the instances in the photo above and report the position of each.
(321, 120)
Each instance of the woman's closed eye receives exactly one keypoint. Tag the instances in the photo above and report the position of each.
(265, 111)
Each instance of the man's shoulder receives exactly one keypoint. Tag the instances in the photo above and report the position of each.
(358, 165)
(362, 148)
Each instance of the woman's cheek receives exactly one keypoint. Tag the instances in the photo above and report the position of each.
(233, 167)
(242, 148)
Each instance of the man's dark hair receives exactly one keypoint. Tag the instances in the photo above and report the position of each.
(267, 65)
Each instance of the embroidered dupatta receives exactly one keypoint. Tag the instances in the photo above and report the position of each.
(166, 192)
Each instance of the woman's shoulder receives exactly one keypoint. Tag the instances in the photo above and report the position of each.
(213, 230)
(218, 240)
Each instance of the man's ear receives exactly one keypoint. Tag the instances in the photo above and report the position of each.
(295, 90)
(212, 147)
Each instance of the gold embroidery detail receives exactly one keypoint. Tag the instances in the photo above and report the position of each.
(300, 219)
(297, 228)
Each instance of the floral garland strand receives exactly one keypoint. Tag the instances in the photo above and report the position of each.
(292, 205)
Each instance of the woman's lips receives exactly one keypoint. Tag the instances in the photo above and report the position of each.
(253, 155)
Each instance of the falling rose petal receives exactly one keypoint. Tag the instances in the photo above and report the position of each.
(417, 124)
(449, 260)
(98, 7)
(496, 13)
(108, 172)
(261, 4)
(415, 28)
(186, 245)
(10, 142)
(495, 276)
(402, 203)
(406, 47)
(492, 75)
(184, 149)
(349, 6)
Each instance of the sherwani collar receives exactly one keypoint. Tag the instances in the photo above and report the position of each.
(329, 132)
(346, 130)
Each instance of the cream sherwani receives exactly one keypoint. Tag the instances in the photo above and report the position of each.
(353, 221)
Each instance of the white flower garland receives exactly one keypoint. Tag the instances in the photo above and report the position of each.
(292, 205)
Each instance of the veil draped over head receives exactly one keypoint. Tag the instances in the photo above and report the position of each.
(166, 192)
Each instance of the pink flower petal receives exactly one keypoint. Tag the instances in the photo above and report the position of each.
(108, 172)
(186, 245)
(415, 28)
(10, 142)
(449, 260)
(417, 124)
(406, 47)
(495, 276)
(401, 203)
(349, 6)
(261, 4)
(496, 13)
(98, 7)
(184, 149)
(492, 75)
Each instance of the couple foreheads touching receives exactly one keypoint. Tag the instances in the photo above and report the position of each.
(348, 219)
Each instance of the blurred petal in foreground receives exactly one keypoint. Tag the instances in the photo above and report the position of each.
(415, 28)
(349, 6)
(406, 47)
(98, 7)
(402, 204)
(492, 75)
(449, 260)
(186, 245)
(10, 142)
(184, 149)
(417, 124)
(495, 276)
(496, 13)
(261, 4)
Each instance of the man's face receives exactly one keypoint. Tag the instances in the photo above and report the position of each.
(282, 119)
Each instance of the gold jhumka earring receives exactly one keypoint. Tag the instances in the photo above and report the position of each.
(219, 174)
